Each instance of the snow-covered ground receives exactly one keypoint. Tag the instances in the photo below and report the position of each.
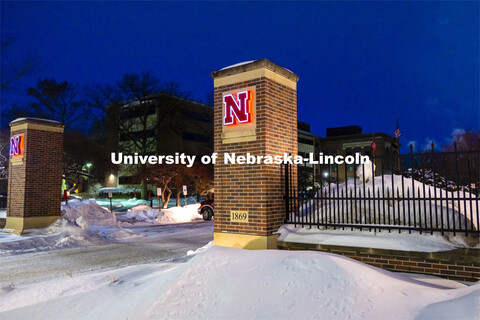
(379, 240)
(143, 214)
(85, 223)
(229, 283)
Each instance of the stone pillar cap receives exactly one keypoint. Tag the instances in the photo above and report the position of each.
(253, 65)
(46, 122)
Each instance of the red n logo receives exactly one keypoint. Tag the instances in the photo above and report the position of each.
(16, 145)
(238, 109)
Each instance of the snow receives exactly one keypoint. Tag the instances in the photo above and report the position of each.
(60, 235)
(85, 223)
(383, 240)
(450, 211)
(146, 214)
(86, 213)
(71, 230)
(238, 64)
(121, 205)
(39, 119)
(366, 170)
(230, 283)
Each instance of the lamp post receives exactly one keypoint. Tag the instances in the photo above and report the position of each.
(88, 165)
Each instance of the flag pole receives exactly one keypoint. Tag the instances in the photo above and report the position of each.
(398, 149)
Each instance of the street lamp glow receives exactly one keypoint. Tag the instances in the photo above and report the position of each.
(88, 165)
(325, 174)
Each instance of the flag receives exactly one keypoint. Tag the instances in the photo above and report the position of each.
(373, 146)
(397, 133)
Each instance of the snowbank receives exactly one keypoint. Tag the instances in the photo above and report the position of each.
(148, 215)
(60, 235)
(228, 283)
(87, 213)
(71, 230)
(379, 240)
(451, 211)
(84, 223)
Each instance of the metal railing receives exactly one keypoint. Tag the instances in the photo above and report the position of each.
(427, 192)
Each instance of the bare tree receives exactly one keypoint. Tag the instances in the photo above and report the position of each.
(57, 101)
(198, 178)
(12, 71)
(4, 153)
(464, 141)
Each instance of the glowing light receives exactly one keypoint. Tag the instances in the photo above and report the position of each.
(16, 145)
(237, 108)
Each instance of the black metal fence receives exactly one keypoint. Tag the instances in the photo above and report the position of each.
(427, 192)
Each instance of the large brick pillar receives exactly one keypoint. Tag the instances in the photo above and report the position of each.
(34, 174)
(248, 197)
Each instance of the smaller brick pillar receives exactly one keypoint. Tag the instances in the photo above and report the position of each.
(255, 111)
(34, 174)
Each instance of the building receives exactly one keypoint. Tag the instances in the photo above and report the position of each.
(158, 124)
(350, 140)
(307, 143)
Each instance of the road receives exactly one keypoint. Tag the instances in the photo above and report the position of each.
(168, 242)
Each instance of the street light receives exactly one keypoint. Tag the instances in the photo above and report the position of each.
(88, 165)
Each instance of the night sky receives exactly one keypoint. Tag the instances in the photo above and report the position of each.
(360, 63)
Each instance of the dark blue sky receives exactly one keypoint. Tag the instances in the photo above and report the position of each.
(362, 63)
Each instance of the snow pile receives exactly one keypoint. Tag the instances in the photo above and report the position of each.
(200, 250)
(379, 240)
(72, 229)
(366, 171)
(87, 213)
(60, 235)
(148, 215)
(451, 211)
(229, 283)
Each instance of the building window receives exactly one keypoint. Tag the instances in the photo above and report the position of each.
(204, 117)
(305, 141)
(190, 136)
(333, 152)
(137, 134)
(136, 112)
(349, 152)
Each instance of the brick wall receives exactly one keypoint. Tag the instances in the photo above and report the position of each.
(460, 264)
(35, 184)
(256, 188)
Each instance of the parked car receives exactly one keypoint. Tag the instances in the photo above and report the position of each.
(206, 209)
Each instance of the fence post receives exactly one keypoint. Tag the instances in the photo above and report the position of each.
(287, 195)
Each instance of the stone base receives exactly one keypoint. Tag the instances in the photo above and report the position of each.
(18, 224)
(245, 241)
